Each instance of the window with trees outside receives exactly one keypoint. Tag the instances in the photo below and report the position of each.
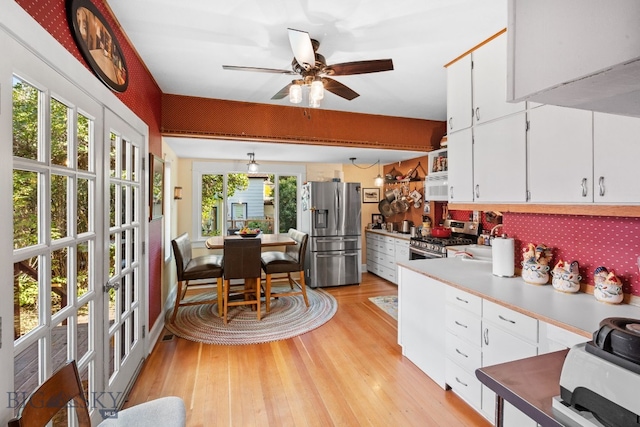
(229, 201)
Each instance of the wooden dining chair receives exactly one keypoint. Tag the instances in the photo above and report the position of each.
(242, 261)
(65, 386)
(287, 262)
(188, 268)
(52, 396)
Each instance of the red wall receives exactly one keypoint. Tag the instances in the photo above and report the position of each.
(143, 97)
(593, 241)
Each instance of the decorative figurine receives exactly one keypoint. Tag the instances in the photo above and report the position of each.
(535, 264)
(566, 277)
(608, 290)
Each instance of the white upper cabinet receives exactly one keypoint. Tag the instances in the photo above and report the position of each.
(490, 81)
(560, 155)
(575, 53)
(499, 160)
(616, 151)
(460, 159)
(459, 107)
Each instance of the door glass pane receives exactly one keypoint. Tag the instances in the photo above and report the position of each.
(60, 345)
(126, 161)
(25, 209)
(112, 204)
(287, 203)
(83, 257)
(82, 206)
(59, 133)
(114, 255)
(83, 130)
(112, 154)
(59, 280)
(135, 156)
(26, 128)
(25, 375)
(82, 338)
(59, 191)
(26, 296)
(212, 199)
(123, 200)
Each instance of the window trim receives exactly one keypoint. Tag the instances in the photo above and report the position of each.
(223, 168)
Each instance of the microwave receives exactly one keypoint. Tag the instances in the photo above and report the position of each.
(436, 187)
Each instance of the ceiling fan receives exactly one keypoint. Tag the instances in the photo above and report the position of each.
(314, 71)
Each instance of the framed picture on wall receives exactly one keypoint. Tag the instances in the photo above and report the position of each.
(156, 187)
(97, 44)
(370, 195)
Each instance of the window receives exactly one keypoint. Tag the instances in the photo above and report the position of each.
(229, 200)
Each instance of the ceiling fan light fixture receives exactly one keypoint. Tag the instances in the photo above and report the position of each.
(317, 90)
(314, 102)
(295, 94)
(252, 166)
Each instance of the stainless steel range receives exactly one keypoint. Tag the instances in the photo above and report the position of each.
(462, 233)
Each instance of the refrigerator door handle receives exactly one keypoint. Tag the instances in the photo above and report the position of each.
(337, 204)
(339, 239)
(337, 255)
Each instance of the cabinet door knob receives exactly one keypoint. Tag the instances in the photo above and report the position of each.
(584, 187)
(486, 336)
(601, 184)
(451, 192)
(477, 191)
(450, 123)
(477, 113)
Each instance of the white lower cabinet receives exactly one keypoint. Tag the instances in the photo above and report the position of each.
(383, 253)
(477, 333)
(463, 345)
(421, 308)
(506, 335)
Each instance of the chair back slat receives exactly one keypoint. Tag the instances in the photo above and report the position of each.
(241, 258)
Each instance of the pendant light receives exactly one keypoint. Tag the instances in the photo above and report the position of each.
(252, 166)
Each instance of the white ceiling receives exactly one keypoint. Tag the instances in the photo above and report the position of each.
(185, 43)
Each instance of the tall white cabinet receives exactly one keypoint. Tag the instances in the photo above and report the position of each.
(492, 147)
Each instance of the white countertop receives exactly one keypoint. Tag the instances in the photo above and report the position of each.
(580, 313)
(395, 234)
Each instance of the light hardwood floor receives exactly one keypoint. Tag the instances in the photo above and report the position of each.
(348, 372)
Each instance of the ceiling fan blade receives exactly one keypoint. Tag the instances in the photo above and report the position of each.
(258, 69)
(283, 92)
(360, 67)
(339, 89)
(302, 48)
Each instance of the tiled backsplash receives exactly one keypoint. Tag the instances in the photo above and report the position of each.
(593, 241)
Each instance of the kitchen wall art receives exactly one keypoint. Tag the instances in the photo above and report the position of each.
(98, 44)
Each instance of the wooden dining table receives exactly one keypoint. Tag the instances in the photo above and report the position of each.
(267, 240)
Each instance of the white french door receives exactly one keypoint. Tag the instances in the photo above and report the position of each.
(124, 200)
(78, 227)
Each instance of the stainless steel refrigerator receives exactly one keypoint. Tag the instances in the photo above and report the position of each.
(331, 214)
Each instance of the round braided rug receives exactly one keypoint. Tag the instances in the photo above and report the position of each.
(288, 317)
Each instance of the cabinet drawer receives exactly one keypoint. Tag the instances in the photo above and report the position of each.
(516, 323)
(464, 325)
(464, 300)
(387, 260)
(468, 356)
(402, 253)
(387, 273)
(464, 384)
